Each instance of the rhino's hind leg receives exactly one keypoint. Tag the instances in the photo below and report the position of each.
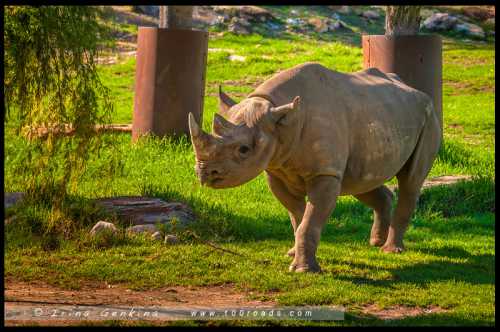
(295, 205)
(410, 181)
(380, 200)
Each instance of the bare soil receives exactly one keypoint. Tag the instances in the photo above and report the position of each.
(398, 312)
(22, 295)
(96, 293)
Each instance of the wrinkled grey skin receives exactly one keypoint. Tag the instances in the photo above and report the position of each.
(319, 134)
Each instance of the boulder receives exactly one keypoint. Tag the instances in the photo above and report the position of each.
(320, 25)
(480, 13)
(471, 30)
(346, 10)
(153, 11)
(103, 226)
(370, 14)
(335, 8)
(490, 23)
(338, 25)
(440, 22)
(251, 13)
(239, 29)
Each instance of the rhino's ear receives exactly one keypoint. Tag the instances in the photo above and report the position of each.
(279, 113)
(225, 102)
(221, 126)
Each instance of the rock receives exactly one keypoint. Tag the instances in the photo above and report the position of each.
(240, 26)
(346, 10)
(153, 11)
(294, 12)
(156, 236)
(334, 8)
(147, 210)
(171, 239)
(273, 26)
(241, 21)
(138, 229)
(239, 29)
(10, 199)
(252, 13)
(234, 57)
(490, 23)
(425, 13)
(480, 13)
(103, 226)
(319, 24)
(370, 14)
(470, 29)
(440, 22)
(338, 25)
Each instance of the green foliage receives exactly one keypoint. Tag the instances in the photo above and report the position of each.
(450, 261)
(51, 84)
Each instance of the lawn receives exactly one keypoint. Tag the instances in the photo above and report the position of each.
(450, 257)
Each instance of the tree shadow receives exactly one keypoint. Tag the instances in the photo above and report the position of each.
(475, 269)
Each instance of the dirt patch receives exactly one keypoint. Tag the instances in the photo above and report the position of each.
(399, 311)
(445, 180)
(20, 295)
(100, 293)
(461, 87)
(439, 181)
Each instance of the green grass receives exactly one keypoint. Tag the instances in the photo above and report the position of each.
(451, 249)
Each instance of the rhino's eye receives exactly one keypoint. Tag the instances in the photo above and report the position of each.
(244, 149)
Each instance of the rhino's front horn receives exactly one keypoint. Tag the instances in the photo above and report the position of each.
(194, 129)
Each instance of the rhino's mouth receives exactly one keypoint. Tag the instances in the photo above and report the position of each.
(216, 180)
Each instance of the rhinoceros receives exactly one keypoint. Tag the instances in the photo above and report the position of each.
(318, 134)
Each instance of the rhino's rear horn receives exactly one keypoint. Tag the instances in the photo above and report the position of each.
(279, 112)
(225, 102)
(221, 126)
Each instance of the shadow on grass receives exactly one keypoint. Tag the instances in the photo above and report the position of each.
(351, 220)
(433, 319)
(477, 269)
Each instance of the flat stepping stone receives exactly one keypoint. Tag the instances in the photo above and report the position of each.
(141, 210)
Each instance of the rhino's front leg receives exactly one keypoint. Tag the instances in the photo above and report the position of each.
(294, 203)
(322, 192)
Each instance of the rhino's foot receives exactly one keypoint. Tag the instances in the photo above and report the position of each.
(291, 252)
(314, 267)
(377, 241)
(394, 248)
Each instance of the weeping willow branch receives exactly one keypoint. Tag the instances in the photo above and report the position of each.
(51, 78)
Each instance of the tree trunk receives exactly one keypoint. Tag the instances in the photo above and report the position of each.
(402, 20)
(176, 17)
